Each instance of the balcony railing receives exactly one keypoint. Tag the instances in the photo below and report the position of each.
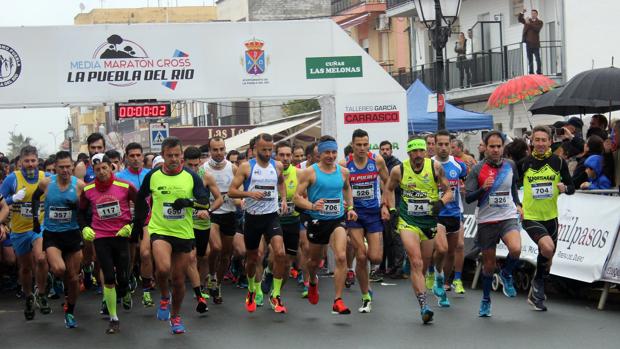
(485, 67)
(339, 6)
(395, 3)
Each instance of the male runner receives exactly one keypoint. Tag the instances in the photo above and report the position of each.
(328, 191)
(62, 240)
(173, 190)
(368, 174)
(420, 180)
(449, 227)
(298, 155)
(17, 190)
(108, 200)
(223, 219)
(96, 145)
(493, 183)
(262, 185)
(546, 176)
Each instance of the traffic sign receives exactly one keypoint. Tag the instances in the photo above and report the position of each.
(158, 132)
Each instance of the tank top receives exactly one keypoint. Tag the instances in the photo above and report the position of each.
(454, 172)
(419, 191)
(263, 179)
(61, 206)
(328, 186)
(201, 224)
(21, 218)
(364, 183)
(290, 181)
(540, 189)
(223, 178)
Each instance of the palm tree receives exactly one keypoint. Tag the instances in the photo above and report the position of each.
(16, 143)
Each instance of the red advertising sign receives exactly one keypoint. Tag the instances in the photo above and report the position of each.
(372, 117)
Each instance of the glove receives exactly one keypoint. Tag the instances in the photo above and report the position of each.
(437, 206)
(180, 204)
(125, 231)
(88, 234)
(20, 195)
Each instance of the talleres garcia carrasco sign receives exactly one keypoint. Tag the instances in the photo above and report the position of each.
(371, 114)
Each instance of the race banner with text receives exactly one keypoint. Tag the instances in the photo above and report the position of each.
(588, 226)
(612, 268)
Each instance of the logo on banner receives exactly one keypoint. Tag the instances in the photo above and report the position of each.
(122, 62)
(10, 65)
(255, 62)
(371, 114)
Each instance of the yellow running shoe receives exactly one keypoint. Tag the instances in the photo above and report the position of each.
(458, 286)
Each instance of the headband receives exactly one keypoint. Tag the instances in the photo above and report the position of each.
(416, 144)
(327, 145)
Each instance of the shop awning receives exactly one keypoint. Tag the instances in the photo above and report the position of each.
(243, 139)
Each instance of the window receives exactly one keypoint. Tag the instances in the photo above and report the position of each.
(516, 7)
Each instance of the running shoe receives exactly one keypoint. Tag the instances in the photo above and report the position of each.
(43, 304)
(147, 301)
(458, 286)
(508, 287)
(339, 308)
(430, 280)
(427, 314)
(366, 306)
(133, 284)
(250, 303)
(300, 278)
(211, 285)
(260, 299)
(313, 293)
(242, 281)
(293, 273)
(163, 311)
(56, 290)
(176, 325)
(70, 321)
(375, 276)
(113, 327)
(536, 297)
(103, 310)
(276, 305)
(217, 294)
(440, 293)
(29, 311)
(127, 301)
(304, 293)
(202, 307)
(350, 280)
(485, 308)
(267, 281)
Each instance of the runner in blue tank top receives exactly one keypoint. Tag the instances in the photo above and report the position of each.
(62, 239)
(328, 191)
(368, 174)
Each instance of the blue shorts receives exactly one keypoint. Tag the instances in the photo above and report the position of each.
(22, 242)
(369, 219)
(7, 241)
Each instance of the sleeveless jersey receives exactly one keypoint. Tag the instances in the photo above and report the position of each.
(21, 218)
(263, 179)
(134, 178)
(454, 172)
(497, 203)
(223, 178)
(419, 191)
(364, 183)
(540, 190)
(328, 186)
(110, 208)
(201, 224)
(61, 206)
(290, 181)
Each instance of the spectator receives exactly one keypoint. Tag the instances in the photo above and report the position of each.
(531, 38)
(598, 120)
(611, 150)
(594, 170)
(597, 131)
(517, 151)
(594, 146)
(460, 47)
(482, 148)
(570, 132)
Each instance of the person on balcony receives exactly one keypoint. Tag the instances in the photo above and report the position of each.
(531, 38)
(460, 47)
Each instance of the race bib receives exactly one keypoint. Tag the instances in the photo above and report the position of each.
(418, 207)
(109, 210)
(290, 208)
(60, 214)
(499, 199)
(25, 209)
(363, 191)
(331, 207)
(268, 190)
(542, 190)
(172, 214)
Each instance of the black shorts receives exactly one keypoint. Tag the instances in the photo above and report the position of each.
(69, 241)
(178, 245)
(452, 224)
(290, 233)
(256, 226)
(202, 240)
(319, 232)
(113, 257)
(538, 229)
(227, 222)
(304, 218)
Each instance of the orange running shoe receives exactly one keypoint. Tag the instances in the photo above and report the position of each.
(294, 273)
(250, 304)
(313, 293)
(340, 308)
(276, 305)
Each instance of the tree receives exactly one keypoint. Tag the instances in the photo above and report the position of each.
(300, 106)
(16, 143)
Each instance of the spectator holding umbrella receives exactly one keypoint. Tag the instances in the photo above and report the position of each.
(531, 38)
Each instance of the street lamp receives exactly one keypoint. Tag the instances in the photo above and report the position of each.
(69, 134)
(433, 13)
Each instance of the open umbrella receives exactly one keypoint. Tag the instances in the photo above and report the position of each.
(519, 89)
(547, 104)
(596, 89)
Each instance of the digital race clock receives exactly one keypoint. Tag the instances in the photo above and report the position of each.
(142, 109)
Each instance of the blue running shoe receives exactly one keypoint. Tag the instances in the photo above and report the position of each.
(427, 314)
(439, 292)
(507, 285)
(485, 308)
(70, 321)
(267, 281)
(163, 311)
(176, 325)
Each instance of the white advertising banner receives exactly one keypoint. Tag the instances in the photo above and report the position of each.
(588, 226)
(612, 268)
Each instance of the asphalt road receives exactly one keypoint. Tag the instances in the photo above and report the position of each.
(394, 323)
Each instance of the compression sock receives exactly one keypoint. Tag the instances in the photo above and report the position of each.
(366, 297)
(252, 284)
(487, 281)
(438, 274)
(457, 275)
(109, 295)
(509, 265)
(541, 267)
(277, 285)
(421, 299)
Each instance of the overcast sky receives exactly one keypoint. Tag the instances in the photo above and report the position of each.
(41, 123)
